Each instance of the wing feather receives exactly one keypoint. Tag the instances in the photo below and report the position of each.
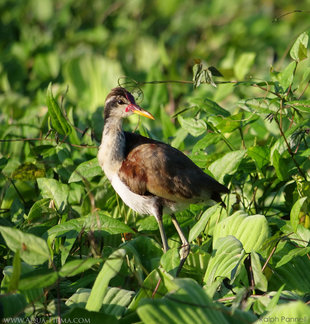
(153, 167)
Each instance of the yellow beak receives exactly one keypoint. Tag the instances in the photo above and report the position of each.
(139, 111)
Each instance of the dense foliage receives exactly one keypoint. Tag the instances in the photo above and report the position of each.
(234, 97)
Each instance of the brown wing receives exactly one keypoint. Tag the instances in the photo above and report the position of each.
(153, 167)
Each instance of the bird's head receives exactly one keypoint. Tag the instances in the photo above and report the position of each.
(120, 104)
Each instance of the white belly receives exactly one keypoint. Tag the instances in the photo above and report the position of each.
(140, 204)
(143, 204)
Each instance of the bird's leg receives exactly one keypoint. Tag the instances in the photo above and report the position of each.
(184, 252)
(159, 218)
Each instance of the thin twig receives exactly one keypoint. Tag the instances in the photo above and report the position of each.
(289, 149)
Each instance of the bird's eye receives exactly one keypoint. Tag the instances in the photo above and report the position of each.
(120, 102)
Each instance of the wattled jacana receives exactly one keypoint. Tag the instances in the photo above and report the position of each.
(151, 177)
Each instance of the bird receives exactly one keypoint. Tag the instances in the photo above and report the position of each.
(151, 177)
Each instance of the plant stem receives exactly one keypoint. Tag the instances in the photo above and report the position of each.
(289, 149)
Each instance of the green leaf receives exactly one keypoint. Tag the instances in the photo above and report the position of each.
(33, 249)
(39, 208)
(167, 125)
(170, 260)
(260, 280)
(260, 105)
(37, 279)
(260, 155)
(286, 77)
(53, 189)
(212, 107)
(74, 267)
(251, 231)
(298, 51)
(279, 164)
(92, 317)
(226, 256)
(203, 221)
(109, 270)
(114, 303)
(87, 170)
(206, 141)
(301, 105)
(11, 305)
(116, 300)
(58, 120)
(294, 215)
(243, 64)
(90, 76)
(292, 254)
(193, 126)
(16, 273)
(228, 164)
(102, 221)
(188, 303)
(98, 220)
(296, 311)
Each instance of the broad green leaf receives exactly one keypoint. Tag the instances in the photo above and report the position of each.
(280, 166)
(101, 220)
(11, 305)
(243, 64)
(53, 189)
(228, 164)
(59, 122)
(227, 254)
(146, 253)
(301, 105)
(39, 208)
(70, 238)
(209, 106)
(32, 295)
(193, 126)
(206, 141)
(114, 302)
(260, 280)
(178, 141)
(109, 270)
(170, 260)
(90, 76)
(87, 170)
(33, 249)
(202, 223)
(286, 77)
(251, 231)
(98, 220)
(260, 105)
(168, 127)
(292, 254)
(16, 273)
(275, 299)
(187, 304)
(298, 265)
(298, 51)
(150, 283)
(90, 317)
(79, 298)
(74, 267)
(38, 279)
(295, 311)
(61, 229)
(295, 212)
(260, 155)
